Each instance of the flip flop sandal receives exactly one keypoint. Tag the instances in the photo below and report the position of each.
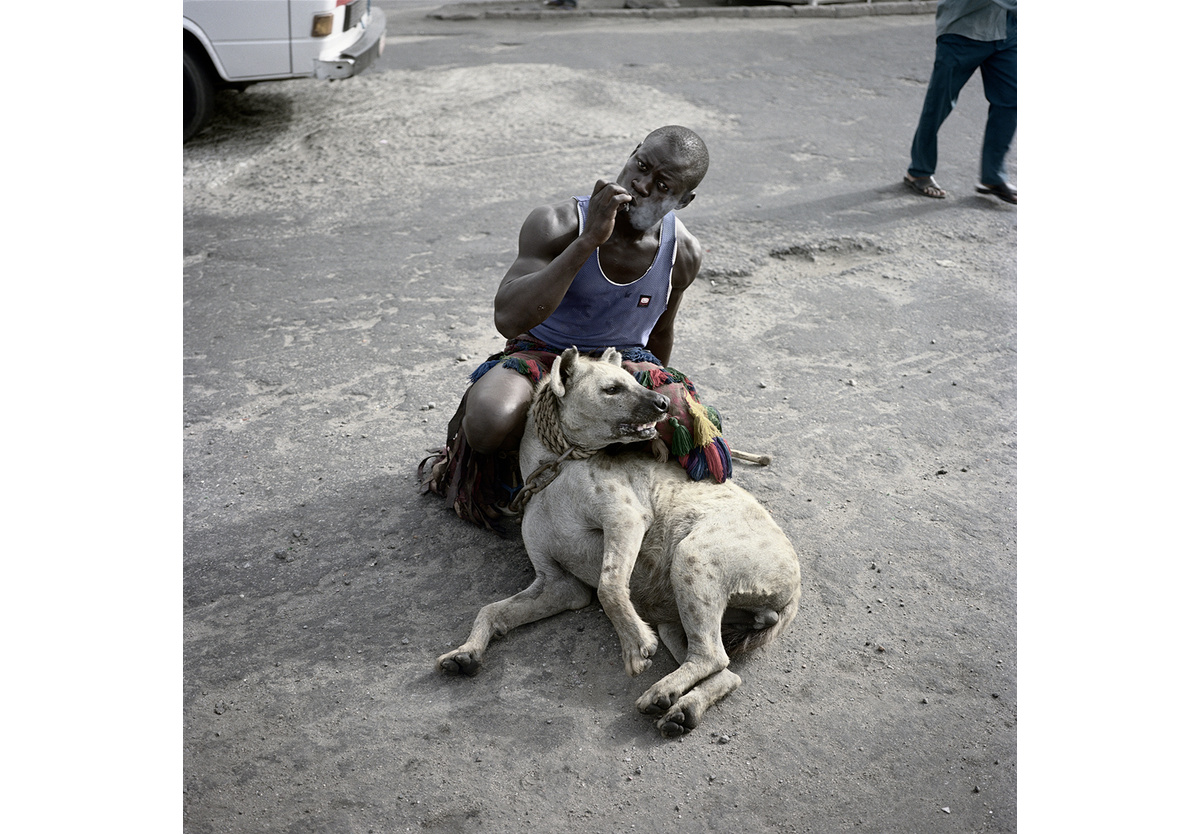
(925, 186)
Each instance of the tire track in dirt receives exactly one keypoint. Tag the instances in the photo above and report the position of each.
(399, 135)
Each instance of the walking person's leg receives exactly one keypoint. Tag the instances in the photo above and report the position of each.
(999, 73)
(956, 60)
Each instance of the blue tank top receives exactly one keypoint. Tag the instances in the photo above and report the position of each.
(597, 313)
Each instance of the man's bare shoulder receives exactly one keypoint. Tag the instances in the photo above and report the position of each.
(688, 256)
(554, 220)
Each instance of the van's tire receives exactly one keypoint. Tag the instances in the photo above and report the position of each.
(198, 91)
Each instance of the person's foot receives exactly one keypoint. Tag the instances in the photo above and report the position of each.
(1004, 191)
(925, 186)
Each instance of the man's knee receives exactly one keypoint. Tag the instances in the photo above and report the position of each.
(488, 430)
(497, 406)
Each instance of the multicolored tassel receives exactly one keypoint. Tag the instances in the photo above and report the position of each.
(703, 430)
(658, 378)
(715, 416)
(716, 455)
(681, 438)
(483, 369)
(695, 465)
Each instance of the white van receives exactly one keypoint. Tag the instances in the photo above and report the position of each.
(234, 43)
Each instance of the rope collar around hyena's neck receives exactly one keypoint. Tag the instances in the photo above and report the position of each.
(547, 419)
(548, 425)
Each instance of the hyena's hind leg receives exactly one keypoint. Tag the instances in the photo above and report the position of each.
(685, 713)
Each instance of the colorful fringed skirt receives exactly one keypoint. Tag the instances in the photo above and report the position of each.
(480, 486)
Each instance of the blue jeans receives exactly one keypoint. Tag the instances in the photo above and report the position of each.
(956, 61)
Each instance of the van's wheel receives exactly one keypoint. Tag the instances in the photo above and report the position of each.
(197, 96)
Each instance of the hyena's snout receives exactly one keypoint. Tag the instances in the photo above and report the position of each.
(651, 407)
(645, 412)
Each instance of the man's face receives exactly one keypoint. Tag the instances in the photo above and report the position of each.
(655, 179)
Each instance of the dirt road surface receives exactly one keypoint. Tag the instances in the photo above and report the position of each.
(341, 246)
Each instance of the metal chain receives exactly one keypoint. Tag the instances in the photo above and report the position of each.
(549, 429)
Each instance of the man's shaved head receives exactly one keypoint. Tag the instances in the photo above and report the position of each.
(688, 148)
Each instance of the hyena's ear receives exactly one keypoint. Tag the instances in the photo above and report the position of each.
(612, 356)
(562, 370)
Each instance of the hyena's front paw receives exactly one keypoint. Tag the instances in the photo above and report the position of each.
(638, 653)
(680, 719)
(461, 661)
(655, 701)
(678, 715)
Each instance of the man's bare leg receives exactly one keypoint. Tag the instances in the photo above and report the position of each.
(497, 405)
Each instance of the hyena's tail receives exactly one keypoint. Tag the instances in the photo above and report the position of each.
(742, 635)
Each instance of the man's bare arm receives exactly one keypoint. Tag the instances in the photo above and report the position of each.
(552, 249)
(687, 267)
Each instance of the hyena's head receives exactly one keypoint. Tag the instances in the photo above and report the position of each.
(600, 403)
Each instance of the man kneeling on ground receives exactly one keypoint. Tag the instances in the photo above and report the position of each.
(591, 272)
